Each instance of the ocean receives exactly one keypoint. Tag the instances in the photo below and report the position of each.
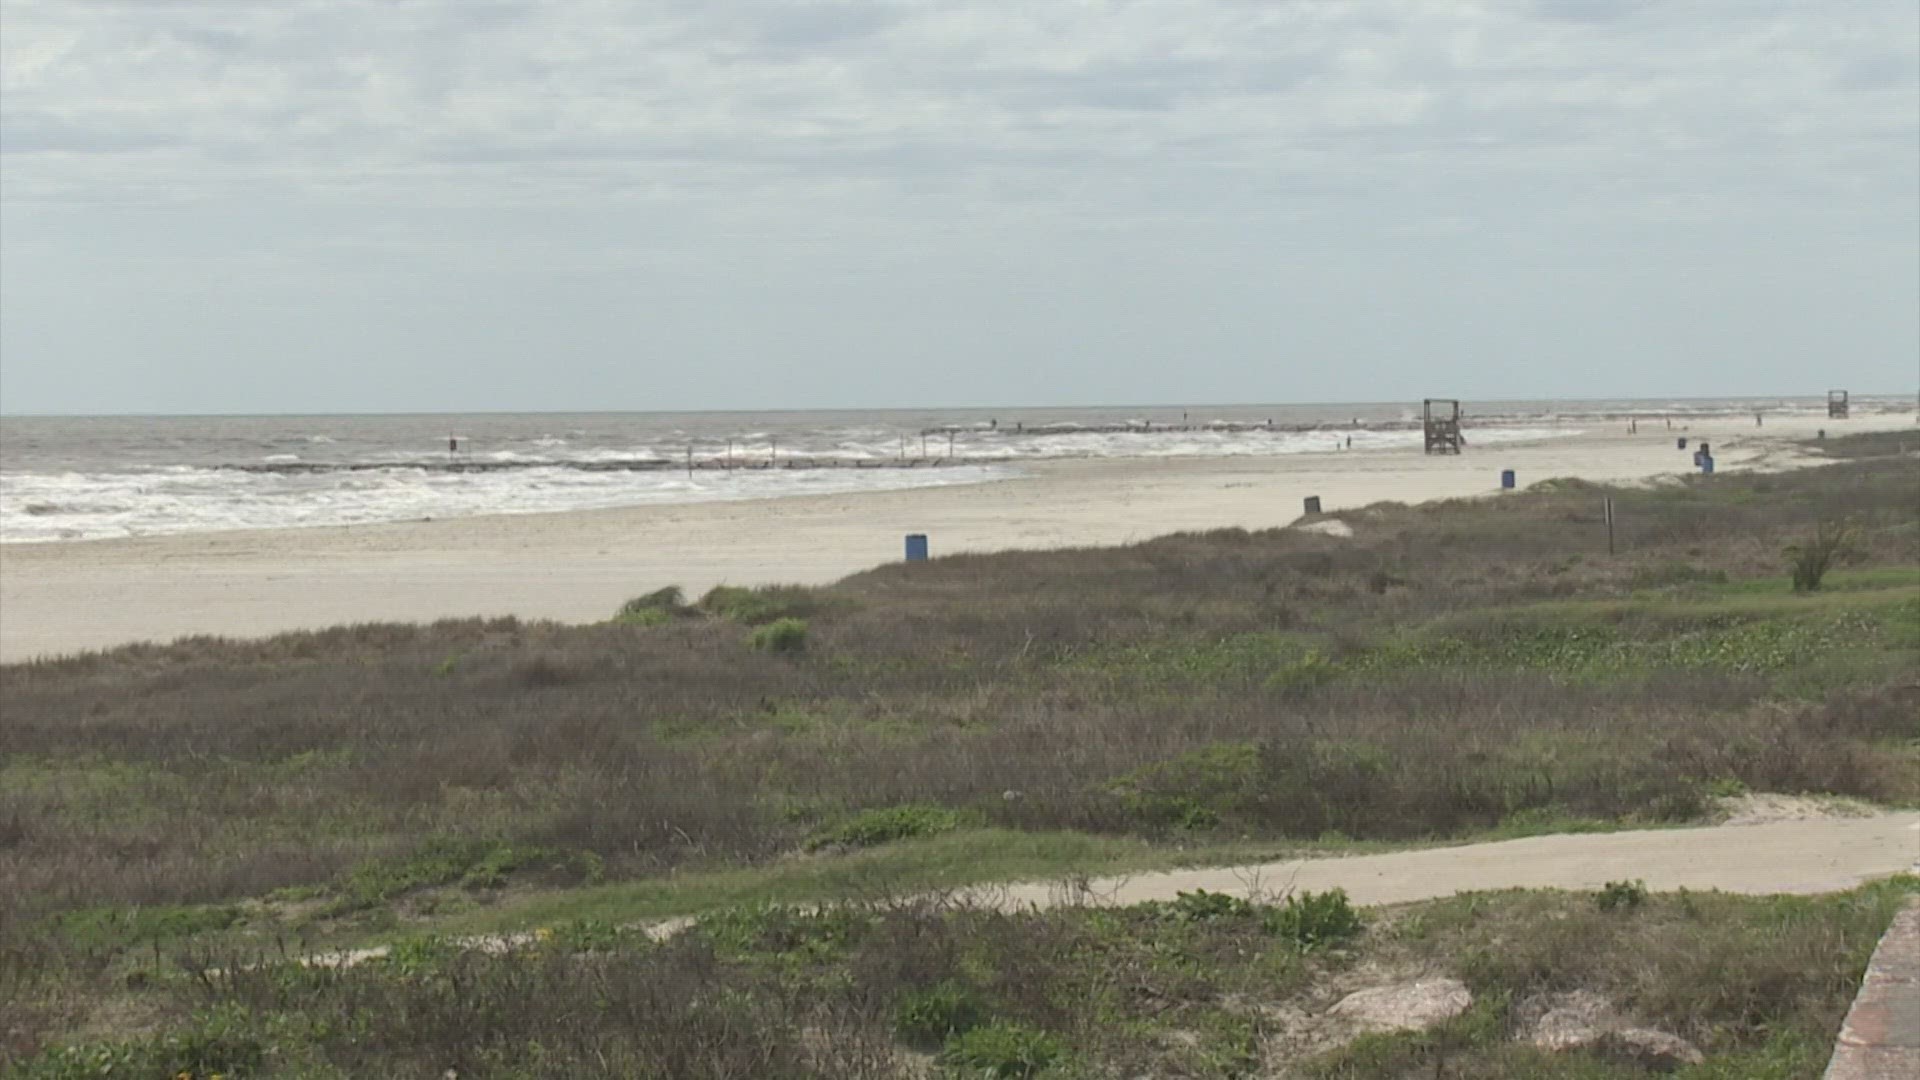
(84, 478)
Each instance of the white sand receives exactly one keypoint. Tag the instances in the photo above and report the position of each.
(57, 598)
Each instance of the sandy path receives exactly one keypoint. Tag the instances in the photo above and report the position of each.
(1800, 857)
(1807, 856)
(579, 566)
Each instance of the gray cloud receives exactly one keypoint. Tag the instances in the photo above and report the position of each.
(843, 150)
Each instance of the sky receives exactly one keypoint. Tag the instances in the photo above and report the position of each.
(301, 206)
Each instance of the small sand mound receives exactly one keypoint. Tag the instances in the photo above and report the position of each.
(1406, 1007)
(1585, 1020)
(1296, 1032)
(1761, 808)
(1328, 527)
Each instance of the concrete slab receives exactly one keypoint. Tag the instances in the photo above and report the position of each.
(1881, 1038)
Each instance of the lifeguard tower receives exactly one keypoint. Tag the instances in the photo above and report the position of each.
(1442, 416)
(1836, 404)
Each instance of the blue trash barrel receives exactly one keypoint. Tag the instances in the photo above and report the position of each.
(916, 547)
(1683, 442)
(1706, 463)
(1506, 478)
(1313, 504)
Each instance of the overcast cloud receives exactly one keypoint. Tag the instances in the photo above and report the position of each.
(397, 205)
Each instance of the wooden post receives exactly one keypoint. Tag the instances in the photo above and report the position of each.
(773, 452)
(923, 446)
(949, 446)
(689, 461)
(1609, 513)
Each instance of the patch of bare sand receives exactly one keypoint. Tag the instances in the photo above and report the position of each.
(1328, 527)
(1584, 1020)
(1343, 1005)
(1763, 807)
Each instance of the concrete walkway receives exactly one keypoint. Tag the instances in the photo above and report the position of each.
(1806, 856)
(1881, 1039)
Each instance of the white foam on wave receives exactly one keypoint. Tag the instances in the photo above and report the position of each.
(39, 508)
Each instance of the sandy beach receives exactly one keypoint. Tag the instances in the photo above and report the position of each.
(63, 597)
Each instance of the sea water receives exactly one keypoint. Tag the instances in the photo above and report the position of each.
(83, 478)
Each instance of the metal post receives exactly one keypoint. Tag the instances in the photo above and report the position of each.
(689, 461)
(949, 446)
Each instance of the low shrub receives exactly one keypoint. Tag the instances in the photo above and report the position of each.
(656, 607)
(1617, 894)
(933, 1016)
(780, 636)
(886, 824)
(196, 1054)
(1201, 906)
(777, 930)
(1002, 1049)
(760, 605)
(109, 926)
(1191, 791)
(1809, 560)
(472, 863)
(1310, 920)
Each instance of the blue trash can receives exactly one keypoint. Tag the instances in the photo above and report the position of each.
(1706, 463)
(1506, 478)
(916, 547)
(1683, 442)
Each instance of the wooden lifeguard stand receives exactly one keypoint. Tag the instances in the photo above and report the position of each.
(1442, 417)
(1836, 404)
